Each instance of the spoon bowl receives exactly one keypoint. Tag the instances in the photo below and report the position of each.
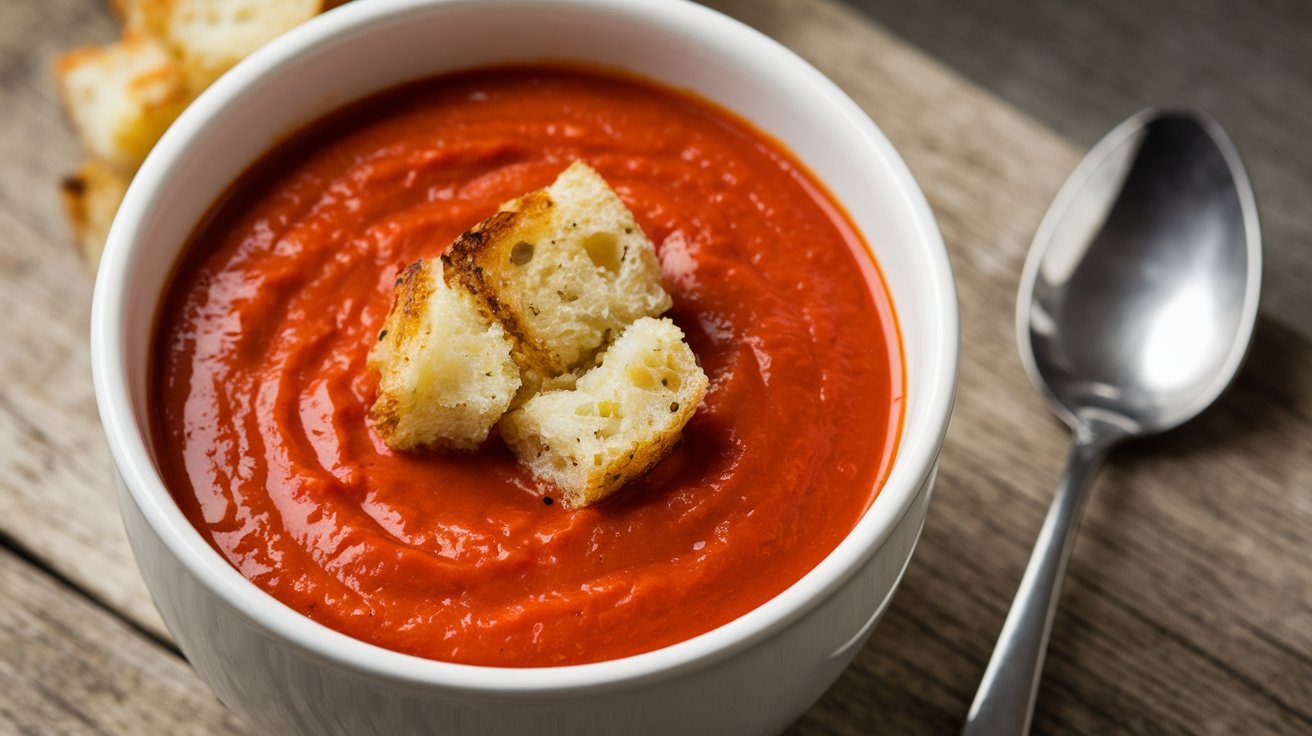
(1139, 297)
(1136, 308)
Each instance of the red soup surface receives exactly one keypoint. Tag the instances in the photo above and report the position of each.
(261, 390)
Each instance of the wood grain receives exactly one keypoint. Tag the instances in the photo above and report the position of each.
(1187, 609)
(57, 501)
(70, 667)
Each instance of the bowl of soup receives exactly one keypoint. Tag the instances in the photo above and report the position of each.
(322, 582)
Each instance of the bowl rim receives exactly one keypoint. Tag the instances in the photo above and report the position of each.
(917, 452)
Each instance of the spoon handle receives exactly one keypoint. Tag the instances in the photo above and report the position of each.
(1004, 703)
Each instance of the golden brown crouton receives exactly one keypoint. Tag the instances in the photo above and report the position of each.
(622, 417)
(121, 97)
(209, 37)
(445, 372)
(564, 269)
(91, 196)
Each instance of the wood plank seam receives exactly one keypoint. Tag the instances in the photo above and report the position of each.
(22, 552)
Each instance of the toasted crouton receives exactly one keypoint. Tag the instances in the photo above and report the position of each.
(121, 97)
(564, 269)
(445, 371)
(210, 36)
(91, 196)
(124, 10)
(619, 421)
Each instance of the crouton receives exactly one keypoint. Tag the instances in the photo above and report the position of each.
(125, 11)
(91, 196)
(526, 302)
(564, 269)
(121, 98)
(209, 37)
(445, 371)
(622, 417)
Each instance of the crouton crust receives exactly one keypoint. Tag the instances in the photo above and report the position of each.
(478, 260)
(445, 372)
(91, 196)
(564, 269)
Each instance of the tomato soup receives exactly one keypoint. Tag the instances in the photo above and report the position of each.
(261, 392)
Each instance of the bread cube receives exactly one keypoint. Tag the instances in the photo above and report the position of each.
(445, 371)
(621, 418)
(91, 196)
(564, 269)
(121, 98)
(209, 37)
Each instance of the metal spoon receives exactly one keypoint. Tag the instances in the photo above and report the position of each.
(1136, 307)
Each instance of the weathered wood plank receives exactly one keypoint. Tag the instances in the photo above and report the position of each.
(70, 667)
(56, 496)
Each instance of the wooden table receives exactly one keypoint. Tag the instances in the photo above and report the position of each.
(1188, 608)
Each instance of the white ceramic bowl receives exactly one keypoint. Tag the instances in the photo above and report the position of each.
(285, 674)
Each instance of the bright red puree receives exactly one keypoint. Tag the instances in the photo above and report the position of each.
(262, 390)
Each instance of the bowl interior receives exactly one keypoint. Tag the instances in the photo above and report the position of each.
(363, 48)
